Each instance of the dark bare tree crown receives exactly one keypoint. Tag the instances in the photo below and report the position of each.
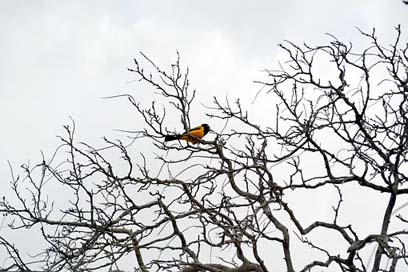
(226, 204)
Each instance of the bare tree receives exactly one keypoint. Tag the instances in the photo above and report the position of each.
(224, 204)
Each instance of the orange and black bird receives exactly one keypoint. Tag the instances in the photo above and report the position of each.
(193, 135)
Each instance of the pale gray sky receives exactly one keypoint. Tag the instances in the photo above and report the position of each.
(58, 58)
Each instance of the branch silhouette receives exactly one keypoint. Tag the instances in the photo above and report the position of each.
(227, 202)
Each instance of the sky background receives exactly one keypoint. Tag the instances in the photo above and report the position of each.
(60, 58)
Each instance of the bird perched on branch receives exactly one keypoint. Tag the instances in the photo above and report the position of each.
(193, 135)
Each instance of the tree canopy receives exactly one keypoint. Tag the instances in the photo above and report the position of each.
(336, 126)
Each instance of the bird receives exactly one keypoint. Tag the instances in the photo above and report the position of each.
(193, 135)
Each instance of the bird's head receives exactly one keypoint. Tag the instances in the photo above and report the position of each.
(206, 128)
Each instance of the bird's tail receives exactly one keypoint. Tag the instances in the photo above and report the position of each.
(169, 138)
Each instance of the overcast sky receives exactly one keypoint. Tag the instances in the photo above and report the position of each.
(59, 58)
